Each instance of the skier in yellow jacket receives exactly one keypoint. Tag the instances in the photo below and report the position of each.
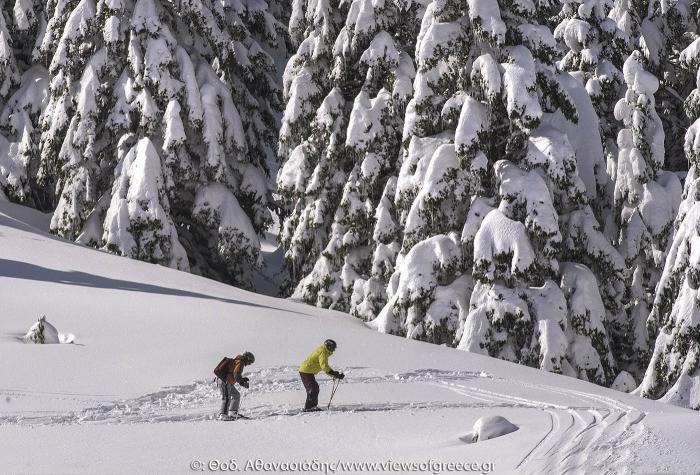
(314, 364)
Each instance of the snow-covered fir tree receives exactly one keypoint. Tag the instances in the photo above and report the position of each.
(9, 70)
(334, 179)
(160, 130)
(429, 175)
(646, 200)
(658, 30)
(19, 139)
(497, 187)
(308, 138)
(23, 86)
(672, 373)
(137, 222)
(369, 293)
(595, 50)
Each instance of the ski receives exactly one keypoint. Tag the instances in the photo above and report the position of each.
(239, 416)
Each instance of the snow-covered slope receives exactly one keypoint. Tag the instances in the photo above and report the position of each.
(135, 393)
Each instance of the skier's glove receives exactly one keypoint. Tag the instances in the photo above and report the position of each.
(337, 375)
(245, 382)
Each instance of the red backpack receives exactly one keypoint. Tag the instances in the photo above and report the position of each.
(222, 368)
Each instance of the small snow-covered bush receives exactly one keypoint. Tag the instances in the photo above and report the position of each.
(42, 332)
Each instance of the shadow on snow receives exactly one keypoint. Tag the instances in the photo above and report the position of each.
(24, 270)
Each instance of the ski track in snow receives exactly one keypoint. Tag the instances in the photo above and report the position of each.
(200, 400)
(580, 438)
(591, 436)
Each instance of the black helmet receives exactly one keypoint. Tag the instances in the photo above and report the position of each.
(248, 357)
(331, 345)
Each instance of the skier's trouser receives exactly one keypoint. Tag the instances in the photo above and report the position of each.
(311, 387)
(230, 397)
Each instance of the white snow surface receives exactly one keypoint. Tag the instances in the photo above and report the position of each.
(137, 390)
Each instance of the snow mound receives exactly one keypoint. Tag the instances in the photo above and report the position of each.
(42, 332)
(624, 382)
(489, 427)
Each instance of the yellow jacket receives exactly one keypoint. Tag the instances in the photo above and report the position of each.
(317, 361)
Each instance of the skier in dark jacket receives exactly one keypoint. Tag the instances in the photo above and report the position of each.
(316, 362)
(230, 397)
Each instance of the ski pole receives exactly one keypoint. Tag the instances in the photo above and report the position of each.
(336, 383)
(332, 394)
(240, 403)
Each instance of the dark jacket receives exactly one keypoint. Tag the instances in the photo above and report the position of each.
(235, 370)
